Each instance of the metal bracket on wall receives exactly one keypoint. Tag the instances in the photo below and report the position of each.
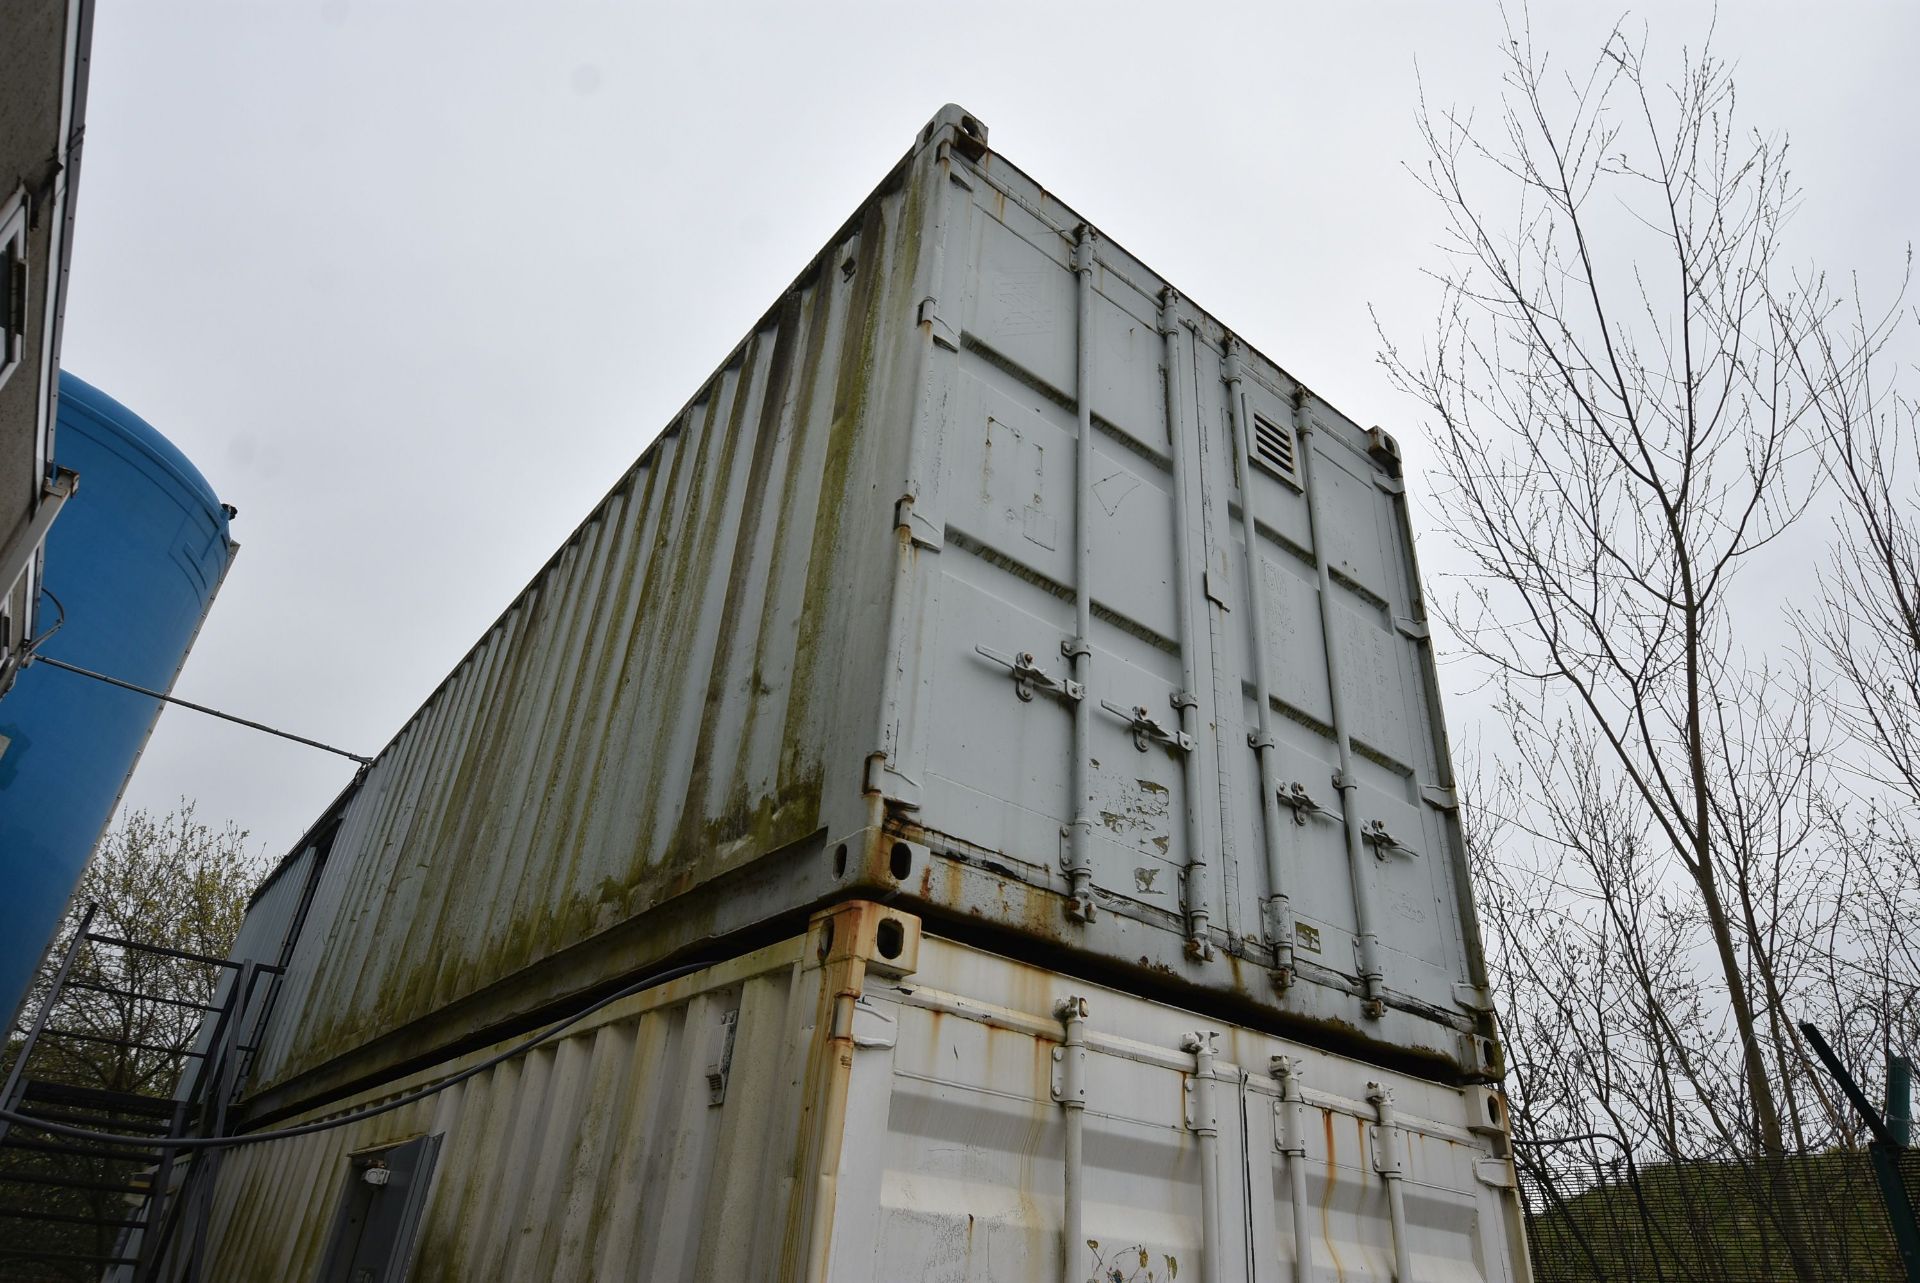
(1029, 676)
(1146, 731)
(1494, 1172)
(1472, 997)
(720, 1058)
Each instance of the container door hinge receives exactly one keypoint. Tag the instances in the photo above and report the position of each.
(942, 333)
(1387, 1146)
(922, 529)
(1029, 677)
(1147, 731)
(1289, 1112)
(1390, 485)
(955, 174)
(1386, 1152)
(895, 788)
(1411, 627)
(720, 1058)
(1068, 1084)
(1200, 1111)
(1439, 797)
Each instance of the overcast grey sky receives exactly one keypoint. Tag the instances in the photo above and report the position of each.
(414, 282)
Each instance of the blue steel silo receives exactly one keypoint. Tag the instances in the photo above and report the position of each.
(132, 566)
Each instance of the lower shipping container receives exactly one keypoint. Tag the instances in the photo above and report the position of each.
(867, 1102)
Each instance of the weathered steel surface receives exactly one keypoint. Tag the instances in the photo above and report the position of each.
(821, 642)
(879, 1117)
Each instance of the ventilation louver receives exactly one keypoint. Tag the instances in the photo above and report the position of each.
(1273, 446)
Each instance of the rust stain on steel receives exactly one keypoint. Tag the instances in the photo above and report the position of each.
(847, 939)
(1040, 1120)
(1326, 1197)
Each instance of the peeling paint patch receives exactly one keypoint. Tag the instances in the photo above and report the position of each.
(1139, 812)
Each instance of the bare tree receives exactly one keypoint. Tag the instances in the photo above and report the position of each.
(126, 1020)
(1862, 637)
(1622, 426)
(169, 880)
(1867, 626)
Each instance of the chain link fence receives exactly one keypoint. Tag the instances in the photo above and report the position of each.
(1596, 1216)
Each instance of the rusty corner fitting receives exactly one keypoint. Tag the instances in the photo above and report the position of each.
(969, 131)
(845, 944)
(886, 941)
(878, 857)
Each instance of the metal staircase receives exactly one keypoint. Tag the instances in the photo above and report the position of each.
(75, 1209)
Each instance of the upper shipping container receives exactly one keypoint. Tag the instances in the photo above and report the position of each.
(987, 576)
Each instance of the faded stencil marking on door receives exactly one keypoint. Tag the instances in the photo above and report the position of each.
(1021, 302)
(1013, 482)
(1113, 488)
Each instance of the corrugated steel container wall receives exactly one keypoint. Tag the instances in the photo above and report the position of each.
(273, 921)
(717, 1129)
(673, 696)
(772, 669)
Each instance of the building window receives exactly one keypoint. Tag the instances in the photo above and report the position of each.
(13, 284)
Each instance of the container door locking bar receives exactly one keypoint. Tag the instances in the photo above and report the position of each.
(1375, 835)
(1028, 676)
(1146, 730)
(1296, 799)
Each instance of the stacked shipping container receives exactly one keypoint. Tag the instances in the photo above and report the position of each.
(990, 579)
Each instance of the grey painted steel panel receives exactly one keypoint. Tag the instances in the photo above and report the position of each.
(817, 1109)
(753, 680)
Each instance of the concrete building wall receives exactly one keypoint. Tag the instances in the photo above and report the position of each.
(43, 46)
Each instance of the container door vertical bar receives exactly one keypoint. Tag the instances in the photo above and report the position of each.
(1080, 648)
(1359, 872)
(1181, 449)
(1279, 909)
